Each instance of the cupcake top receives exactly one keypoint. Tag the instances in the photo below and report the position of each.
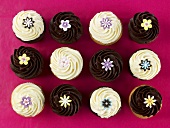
(105, 27)
(106, 65)
(146, 101)
(66, 63)
(26, 62)
(65, 100)
(28, 25)
(143, 27)
(65, 27)
(27, 100)
(105, 102)
(144, 64)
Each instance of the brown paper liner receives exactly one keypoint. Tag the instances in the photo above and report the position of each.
(138, 115)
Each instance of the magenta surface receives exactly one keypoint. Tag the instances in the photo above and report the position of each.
(85, 83)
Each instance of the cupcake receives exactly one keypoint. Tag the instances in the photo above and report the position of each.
(106, 65)
(27, 100)
(105, 28)
(66, 63)
(65, 27)
(65, 100)
(105, 102)
(143, 28)
(144, 64)
(28, 26)
(26, 62)
(145, 101)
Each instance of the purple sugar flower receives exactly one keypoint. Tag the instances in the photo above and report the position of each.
(107, 64)
(26, 101)
(106, 23)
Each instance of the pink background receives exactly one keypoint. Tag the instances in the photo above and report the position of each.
(85, 83)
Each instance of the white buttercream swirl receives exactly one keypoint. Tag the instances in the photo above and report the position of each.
(135, 68)
(27, 90)
(108, 35)
(70, 67)
(27, 34)
(101, 94)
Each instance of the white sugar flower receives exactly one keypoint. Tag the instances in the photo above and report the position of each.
(65, 101)
(65, 25)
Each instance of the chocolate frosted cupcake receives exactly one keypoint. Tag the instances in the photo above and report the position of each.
(27, 100)
(105, 102)
(26, 62)
(28, 26)
(65, 100)
(65, 27)
(144, 64)
(105, 28)
(145, 101)
(143, 28)
(106, 65)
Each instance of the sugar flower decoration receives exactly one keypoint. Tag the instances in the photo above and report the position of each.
(64, 62)
(145, 64)
(28, 22)
(26, 101)
(65, 101)
(65, 25)
(107, 64)
(146, 24)
(149, 101)
(106, 103)
(23, 59)
(106, 23)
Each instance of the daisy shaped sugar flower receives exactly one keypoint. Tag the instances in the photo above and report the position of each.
(23, 59)
(146, 24)
(28, 22)
(107, 64)
(65, 101)
(65, 25)
(106, 23)
(149, 101)
(145, 64)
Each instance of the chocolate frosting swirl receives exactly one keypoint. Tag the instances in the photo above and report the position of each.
(72, 34)
(137, 101)
(68, 90)
(96, 67)
(34, 66)
(137, 33)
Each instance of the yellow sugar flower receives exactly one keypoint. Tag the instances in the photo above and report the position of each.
(23, 59)
(146, 24)
(149, 101)
(65, 101)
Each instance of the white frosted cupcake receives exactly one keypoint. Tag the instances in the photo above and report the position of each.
(105, 102)
(144, 64)
(27, 100)
(28, 26)
(66, 63)
(105, 28)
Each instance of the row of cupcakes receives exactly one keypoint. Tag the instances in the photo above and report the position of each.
(28, 100)
(105, 28)
(66, 63)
